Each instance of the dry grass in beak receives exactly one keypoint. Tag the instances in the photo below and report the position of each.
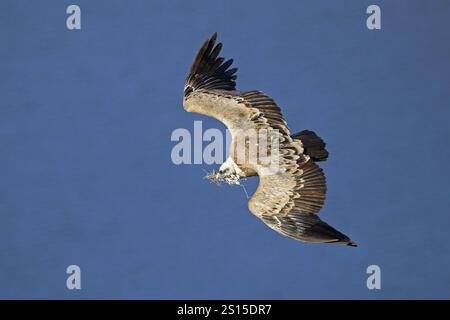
(216, 178)
(232, 179)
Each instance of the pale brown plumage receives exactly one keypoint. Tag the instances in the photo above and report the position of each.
(289, 198)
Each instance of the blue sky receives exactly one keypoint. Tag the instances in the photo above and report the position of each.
(86, 176)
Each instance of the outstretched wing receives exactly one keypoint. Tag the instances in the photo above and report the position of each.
(289, 202)
(210, 89)
(288, 198)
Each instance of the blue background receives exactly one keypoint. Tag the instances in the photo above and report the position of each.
(86, 176)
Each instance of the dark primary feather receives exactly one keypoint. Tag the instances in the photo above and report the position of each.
(307, 227)
(209, 71)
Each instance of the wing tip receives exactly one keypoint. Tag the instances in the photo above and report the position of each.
(209, 71)
(352, 244)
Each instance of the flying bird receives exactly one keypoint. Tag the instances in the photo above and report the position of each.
(289, 195)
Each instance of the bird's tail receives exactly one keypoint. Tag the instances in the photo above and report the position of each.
(314, 145)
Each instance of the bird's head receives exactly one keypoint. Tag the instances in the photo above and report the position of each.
(228, 173)
(226, 169)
